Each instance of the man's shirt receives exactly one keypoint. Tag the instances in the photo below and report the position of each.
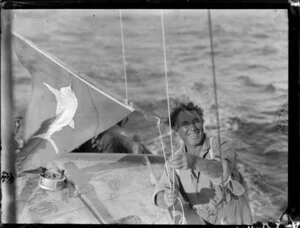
(203, 192)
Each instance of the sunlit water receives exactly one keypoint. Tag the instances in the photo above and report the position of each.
(251, 60)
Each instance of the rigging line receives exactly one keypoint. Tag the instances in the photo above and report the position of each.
(48, 56)
(183, 219)
(167, 86)
(152, 179)
(266, 183)
(270, 186)
(124, 59)
(168, 100)
(167, 170)
(157, 138)
(163, 148)
(215, 95)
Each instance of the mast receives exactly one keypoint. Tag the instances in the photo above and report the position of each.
(8, 153)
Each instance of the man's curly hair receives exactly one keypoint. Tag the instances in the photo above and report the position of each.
(190, 106)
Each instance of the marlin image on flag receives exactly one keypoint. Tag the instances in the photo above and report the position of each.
(65, 110)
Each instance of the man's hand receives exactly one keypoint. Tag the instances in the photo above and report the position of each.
(182, 161)
(170, 197)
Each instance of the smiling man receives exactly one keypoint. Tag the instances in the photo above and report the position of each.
(198, 173)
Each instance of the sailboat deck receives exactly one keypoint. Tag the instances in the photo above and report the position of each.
(113, 188)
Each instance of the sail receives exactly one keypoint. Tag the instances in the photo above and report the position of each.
(65, 109)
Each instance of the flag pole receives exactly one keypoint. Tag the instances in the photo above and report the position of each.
(8, 153)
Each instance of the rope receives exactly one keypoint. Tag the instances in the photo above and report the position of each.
(169, 112)
(124, 60)
(163, 148)
(216, 96)
(167, 170)
(127, 97)
(216, 102)
(167, 86)
(157, 138)
(77, 76)
(274, 188)
(183, 219)
(168, 101)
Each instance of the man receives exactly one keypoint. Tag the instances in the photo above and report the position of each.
(198, 171)
(114, 140)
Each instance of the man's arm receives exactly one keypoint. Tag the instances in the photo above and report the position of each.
(163, 196)
(166, 198)
(131, 144)
(212, 168)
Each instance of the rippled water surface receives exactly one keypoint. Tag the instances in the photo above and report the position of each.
(251, 59)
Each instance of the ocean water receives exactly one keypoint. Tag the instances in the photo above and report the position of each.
(251, 63)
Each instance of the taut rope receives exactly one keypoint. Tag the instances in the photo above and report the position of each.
(167, 86)
(216, 96)
(124, 59)
(182, 220)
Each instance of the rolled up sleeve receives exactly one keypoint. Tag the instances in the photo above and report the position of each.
(228, 156)
(164, 184)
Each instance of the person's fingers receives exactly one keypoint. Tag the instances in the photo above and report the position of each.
(177, 161)
(171, 194)
(168, 191)
(178, 155)
(170, 202)
(166, 198)
(173, 198)
(177, 166)
(176, 158)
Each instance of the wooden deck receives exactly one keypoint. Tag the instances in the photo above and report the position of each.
(113, 188)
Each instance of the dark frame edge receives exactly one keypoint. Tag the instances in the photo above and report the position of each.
(294, 111)
(149, 4)
(293, 50)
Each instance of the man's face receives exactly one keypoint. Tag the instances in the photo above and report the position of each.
(190, 127)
